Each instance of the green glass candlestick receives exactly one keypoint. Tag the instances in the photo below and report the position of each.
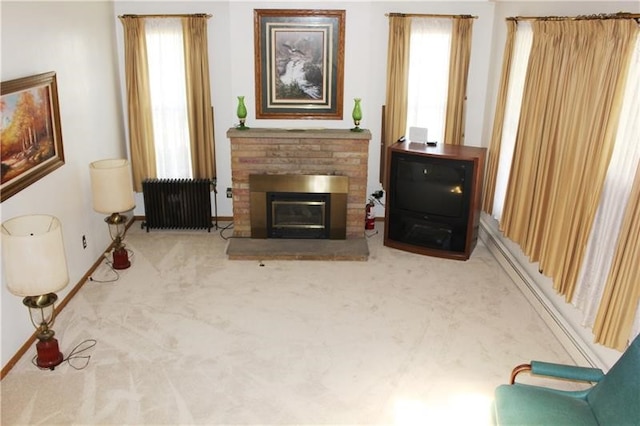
(241, 112)
(356, 115)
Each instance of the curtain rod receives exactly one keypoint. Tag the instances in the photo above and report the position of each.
(180, 15)
(619, 15)
(426, 15)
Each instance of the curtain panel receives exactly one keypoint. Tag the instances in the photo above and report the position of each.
(616, 193)
(199, 97)
(566, 133)
(395, 118)
(138, 101)
(458, 76)
(621, 296)
(618, 318)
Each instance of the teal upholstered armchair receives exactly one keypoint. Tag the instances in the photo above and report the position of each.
(614, 399)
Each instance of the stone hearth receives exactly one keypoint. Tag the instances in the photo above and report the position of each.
(355, 249)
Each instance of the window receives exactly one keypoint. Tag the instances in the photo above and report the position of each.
(561, 129)
(427, 67)
(168, 97)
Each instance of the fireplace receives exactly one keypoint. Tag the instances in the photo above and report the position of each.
(323, 152)
(298, 206)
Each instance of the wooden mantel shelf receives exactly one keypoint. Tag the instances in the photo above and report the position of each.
(254, 133)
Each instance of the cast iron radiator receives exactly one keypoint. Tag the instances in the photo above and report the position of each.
(177, 203)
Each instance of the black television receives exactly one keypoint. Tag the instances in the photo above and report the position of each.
(429, 200)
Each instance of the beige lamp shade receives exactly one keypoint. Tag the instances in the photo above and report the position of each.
(33, 256)
(111, 186)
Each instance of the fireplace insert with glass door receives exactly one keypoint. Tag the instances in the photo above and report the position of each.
(298, 215)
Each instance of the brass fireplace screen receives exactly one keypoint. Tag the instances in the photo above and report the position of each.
(298, 206)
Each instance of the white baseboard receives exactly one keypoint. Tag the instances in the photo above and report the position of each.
(574, 344)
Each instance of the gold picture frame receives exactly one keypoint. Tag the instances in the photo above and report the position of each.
(31, 134)
(299, 67)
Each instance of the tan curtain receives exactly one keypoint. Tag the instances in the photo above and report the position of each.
(458, 72)
(395, 119)
(570, 110)
(143, 163)
(199, 96)
(493, 155)
(617, 309)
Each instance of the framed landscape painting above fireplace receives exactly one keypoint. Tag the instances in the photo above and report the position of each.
(299, 63)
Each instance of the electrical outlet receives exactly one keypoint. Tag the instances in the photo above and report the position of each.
(229, 193)
(84, 242)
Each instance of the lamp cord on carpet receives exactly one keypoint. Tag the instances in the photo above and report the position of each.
(116, 278)
(115, 272)
(229, 226)
(75, 355)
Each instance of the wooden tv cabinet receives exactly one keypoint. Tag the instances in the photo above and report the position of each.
(418, 230)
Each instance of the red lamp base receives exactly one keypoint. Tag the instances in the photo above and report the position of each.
(121, 259)
(49, 355)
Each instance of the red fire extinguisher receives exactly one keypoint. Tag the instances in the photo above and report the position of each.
(370, 217)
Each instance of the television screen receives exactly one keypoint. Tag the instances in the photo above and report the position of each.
(430, 186)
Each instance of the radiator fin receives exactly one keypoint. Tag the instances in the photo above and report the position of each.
(177, 203)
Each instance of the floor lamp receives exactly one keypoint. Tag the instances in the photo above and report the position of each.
(35, 267)
(112, 195)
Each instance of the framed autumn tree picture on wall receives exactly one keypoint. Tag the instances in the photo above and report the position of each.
(299, 63)
(31, 136)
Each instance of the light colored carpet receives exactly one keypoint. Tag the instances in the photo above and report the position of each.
(187, 336)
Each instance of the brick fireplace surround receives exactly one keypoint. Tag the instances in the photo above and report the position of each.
(299, 151)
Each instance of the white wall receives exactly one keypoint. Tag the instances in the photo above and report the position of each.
(77, 41)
